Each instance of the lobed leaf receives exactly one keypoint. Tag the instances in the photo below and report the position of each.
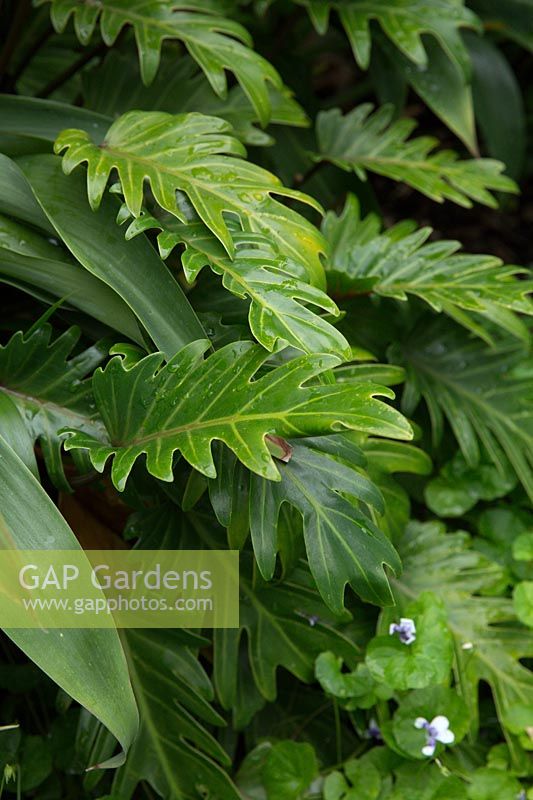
(403, 21)
(279, 313)
(114, 87)
(156, 410)
(174, 752)
(215, 42)
(485, 394)
(366, 140)
(400, 262)
(322, 479)
(51, 390)
(201, 157)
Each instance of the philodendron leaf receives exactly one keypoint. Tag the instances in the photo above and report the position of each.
(186, 404)
(214, 41)
(286, 625)
(343, 545)
(89, 665)
(425, 662)
(199, 156)
(279, 312)
(401, 263)
(114, 88)
(50, 390)
(485, 393)
(341, 515)
(363, 141)
(174, 752)
(404, 22)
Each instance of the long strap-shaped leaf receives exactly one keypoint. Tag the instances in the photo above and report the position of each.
(200, 156)
(185, 405)
(98, 244)
(214, 41)
(30, 261)
(87, 663)
(362, 140)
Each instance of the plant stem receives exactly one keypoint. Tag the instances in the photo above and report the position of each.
(338, 738)
(31, 53)
(61, 79)
(17, 26)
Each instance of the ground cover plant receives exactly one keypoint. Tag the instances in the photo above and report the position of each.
(266, 286)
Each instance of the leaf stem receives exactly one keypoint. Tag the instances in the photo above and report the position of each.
(63, 77)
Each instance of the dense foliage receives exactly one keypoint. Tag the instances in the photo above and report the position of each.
(221, 328)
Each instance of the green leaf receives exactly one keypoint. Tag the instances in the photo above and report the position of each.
(404, 22)
(13, 429)
(401, 263)
(512, 19)
(500, 529)
(365, 782)
(215, 42)
(443, 85)
(35, 762)
(523, 602)
(165, 412)
(425, 662)
(98, 244)
(50, 390)
(199, 156)
(355, 689)
(366, 140)
(488, 783)
(289, 770)
(30, 261)
(30, 125)
(87, 664)
(456, 376)
(278, 315)
(523, 547)
(427, 782)
(323, 481)
(174, 753)
(489, 642)
(343, 545)
(496, 86)
(115, 87)
(458, 487)
(428, 703)
(286, 625)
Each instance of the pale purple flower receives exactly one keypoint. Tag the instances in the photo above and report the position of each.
(405, 629)
(373, 731)
(438, 730)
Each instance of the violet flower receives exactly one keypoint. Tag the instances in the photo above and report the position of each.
(405, 629)
(438, 730)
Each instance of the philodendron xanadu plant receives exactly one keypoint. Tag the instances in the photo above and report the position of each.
(221, 331)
